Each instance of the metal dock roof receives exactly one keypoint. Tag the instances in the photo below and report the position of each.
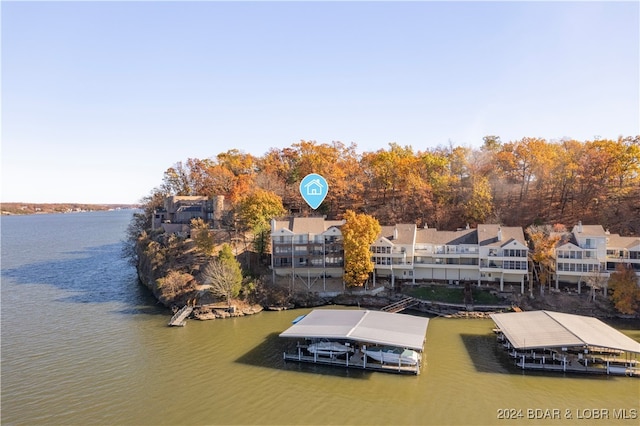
(376, 327)
(546, 329)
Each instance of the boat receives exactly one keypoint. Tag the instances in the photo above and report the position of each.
(328, 348)
(298, 319)
(393, 355)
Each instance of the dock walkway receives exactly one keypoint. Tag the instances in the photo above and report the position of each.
(401, 305)
(179, 318)
(441, 308)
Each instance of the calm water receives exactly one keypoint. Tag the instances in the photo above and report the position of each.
(84, 343)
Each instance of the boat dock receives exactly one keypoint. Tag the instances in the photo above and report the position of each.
(179, 319)
(352, 335)
(357, 359)
(566, 343)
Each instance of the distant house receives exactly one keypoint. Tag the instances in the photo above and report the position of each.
(181, 209)
(589, 254)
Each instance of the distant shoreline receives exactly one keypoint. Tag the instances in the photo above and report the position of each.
(14, 209)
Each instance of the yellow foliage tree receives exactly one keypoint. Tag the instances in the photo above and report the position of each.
(626, 293)
(544, 241)
(480, 202)
(202, 236)
(255, 212)
(359, 232)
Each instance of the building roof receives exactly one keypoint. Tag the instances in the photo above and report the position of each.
(616, 241)
(306, 225)
(377, 327)
(546, 329)
(402, 233)
(433, 236)
(588, 230)
(496, 235)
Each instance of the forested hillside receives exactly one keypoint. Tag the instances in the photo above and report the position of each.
(517, 183)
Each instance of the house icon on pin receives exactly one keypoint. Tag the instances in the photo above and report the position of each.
(314, 187)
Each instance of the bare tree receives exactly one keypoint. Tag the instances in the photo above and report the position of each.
(223, 278)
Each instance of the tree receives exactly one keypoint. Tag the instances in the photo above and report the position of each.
(174, 283)
(480, 203)
(202, 236)
(223, 275)
(544, 240)
(626, 293)
(359, 232)
(255, 212)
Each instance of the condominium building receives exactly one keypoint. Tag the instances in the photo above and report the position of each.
(589, 254)
(489, 253)
(312, 247)
(307, 247)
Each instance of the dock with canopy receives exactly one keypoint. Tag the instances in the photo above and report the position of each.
(566, 342)
(359, 329)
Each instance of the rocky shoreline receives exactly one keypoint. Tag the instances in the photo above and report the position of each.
(580, 305)
(216, 311)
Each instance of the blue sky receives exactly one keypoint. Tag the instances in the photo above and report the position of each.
(100, 98)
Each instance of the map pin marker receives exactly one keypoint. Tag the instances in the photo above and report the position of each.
(314, 189)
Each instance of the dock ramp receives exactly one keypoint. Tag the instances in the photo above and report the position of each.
(179, 319)
(401, 305)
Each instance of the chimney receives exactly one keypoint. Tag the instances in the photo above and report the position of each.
(499, 233)
(579, 226)
(467, 227)
(395, 233)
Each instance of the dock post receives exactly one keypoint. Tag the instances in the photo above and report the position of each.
(364, 356)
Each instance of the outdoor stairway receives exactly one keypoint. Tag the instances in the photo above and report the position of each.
(401, 305)
(179, 318)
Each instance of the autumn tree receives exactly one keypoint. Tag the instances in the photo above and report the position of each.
(358, 232)
(480, 203)
(255, 212)
(625, 290)
(174, 284)
(223, 275)
(202, 236)
(543, 240)
(562, 181)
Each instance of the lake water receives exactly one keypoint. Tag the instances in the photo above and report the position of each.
(84, 343)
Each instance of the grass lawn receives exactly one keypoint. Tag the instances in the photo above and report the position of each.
(453, 295)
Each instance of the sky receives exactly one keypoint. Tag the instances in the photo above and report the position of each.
(100, 98)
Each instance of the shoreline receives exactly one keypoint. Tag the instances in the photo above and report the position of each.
(26, 209)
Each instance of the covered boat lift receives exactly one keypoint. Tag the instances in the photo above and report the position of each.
(359, 329)
(546, 340)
